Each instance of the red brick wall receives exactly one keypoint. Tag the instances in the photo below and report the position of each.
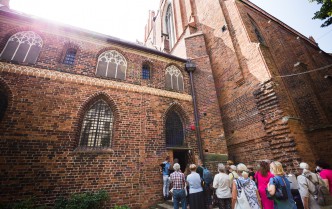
(39, 132)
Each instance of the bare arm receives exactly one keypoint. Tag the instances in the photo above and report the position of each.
(271, 188)
(259, 199)
(305, 201)
(234, 195)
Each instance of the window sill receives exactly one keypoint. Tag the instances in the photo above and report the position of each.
(88, 150)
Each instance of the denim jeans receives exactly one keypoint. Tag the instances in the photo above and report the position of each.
(179, 195)
(165, 185)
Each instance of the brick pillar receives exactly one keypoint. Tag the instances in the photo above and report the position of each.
(212, 132)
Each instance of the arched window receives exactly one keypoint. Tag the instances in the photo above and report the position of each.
(97, 126)
(146, 71)
(23, 46)
(174, 78)
(70, 56)
(3, 103)
(174, 130)
(257, 31)
(112, 64)
(169, 26)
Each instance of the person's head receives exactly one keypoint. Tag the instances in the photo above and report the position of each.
(321, 164)
(251, 169)
(221, 168)
(276, 168)
(264, 168)
(232, 168)
(176, 166)
(192, 167)
(240, 168)
(167, 158)
(229, 162)
(303, 168)
(176, 160)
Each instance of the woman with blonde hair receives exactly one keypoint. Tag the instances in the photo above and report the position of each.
(276, 183)
(196, 195)
(246, 185)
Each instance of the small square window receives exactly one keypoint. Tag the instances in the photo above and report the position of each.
(146, 72)
(70, 57)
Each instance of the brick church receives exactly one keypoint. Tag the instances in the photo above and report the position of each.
(213, 80)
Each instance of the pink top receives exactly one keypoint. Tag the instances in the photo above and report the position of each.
(263, 180)
(327, 174)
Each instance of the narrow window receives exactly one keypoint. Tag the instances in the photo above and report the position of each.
(23, 47)
(97, 126)
(112, 64)
(174, 78)
(146, 72)
(3, 103)
(70, 57)
(169, 26)
(174, 130)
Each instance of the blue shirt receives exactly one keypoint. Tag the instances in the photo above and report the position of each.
(166, 168)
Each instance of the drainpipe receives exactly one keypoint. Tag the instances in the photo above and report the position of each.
(190, 68)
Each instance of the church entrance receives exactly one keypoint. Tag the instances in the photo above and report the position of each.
(184, 157)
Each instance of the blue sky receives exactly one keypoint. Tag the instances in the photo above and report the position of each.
(298, 15)
(117, 19)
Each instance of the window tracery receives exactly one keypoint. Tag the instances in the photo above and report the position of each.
(23, 46)
(174, 78)
(112, 64)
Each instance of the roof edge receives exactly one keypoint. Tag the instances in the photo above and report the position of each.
(292, 30)
(86, 32)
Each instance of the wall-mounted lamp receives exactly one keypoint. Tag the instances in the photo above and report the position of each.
(190, 66)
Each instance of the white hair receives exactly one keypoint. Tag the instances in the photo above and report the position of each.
(176, 166)
(233, 167)
(221, 167)
(304, 165)
(241, 167)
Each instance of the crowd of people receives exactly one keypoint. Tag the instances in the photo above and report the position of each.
(237, 186)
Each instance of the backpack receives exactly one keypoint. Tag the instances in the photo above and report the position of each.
(281, 191)
(207, 176)
(321, 193)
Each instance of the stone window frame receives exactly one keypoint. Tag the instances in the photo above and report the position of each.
(119, 58)
(84, 108)
(24, 37)
(170, 69)
(169, 26)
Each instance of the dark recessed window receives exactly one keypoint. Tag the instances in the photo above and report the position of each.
(174, 130)
(96, 131)
(70, 57)
(146, 72)
(3, 103)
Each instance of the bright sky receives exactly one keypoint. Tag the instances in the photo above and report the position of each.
(126, 19)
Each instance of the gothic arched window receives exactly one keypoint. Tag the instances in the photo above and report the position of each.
(174, 130)
(174, 78)
(257, 31)
(169, 26)
(112, 64)
(3, 103)
(97, 126)
(146, 72)
(70, 56)
(23, 46)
